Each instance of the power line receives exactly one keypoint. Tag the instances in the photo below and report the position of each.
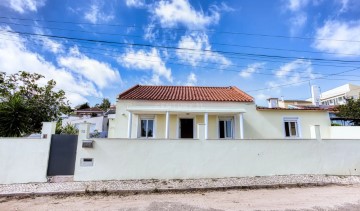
(319, 78)
(212, 43)
(289, 84)
(228, 56)
(168, 58)
(182, 29)
(179, 48)
(222, 69)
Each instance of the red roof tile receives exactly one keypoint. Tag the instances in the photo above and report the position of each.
(185, 93)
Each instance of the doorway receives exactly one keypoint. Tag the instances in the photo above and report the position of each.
(186, 128)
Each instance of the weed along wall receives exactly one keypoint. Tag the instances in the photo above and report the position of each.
(110, 159)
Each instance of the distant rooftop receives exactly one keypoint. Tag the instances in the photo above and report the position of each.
(93, 110)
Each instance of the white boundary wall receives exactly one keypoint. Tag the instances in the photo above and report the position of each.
(182, 159)
(345, 132)
(25, 160)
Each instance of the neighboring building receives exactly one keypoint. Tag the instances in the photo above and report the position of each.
(98, 123)
(89, 112)
(97, 118)
(338, 95)
(288, 103)
(176, 112)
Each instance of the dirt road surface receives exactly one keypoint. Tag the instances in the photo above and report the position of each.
(310, 198)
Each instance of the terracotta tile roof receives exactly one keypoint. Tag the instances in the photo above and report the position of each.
(185, 93)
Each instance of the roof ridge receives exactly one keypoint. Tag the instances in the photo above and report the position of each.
(129, 90)
(225, 87)
(242, 92)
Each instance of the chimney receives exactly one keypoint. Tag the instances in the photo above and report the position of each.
(273, 102)
(315, 95)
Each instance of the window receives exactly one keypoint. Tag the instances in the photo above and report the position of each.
(291, 127)
(226, 128)
(147, 128)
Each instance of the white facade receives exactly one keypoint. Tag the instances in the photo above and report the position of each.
(238, 120)
(99, 123)
(338, 95)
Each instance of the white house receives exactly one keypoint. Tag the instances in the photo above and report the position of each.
(188, 112)
(98, 123)
(338, 95)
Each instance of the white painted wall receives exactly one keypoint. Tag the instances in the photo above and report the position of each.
(24, 160)
(183, 159)
(345, 132)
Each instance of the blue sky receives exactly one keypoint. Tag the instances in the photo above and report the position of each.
(266, 48)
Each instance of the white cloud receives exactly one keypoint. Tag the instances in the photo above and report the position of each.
(147, 60)
(150, 32)
(191, 79)
(252, 68)
(327, 35)
(223, 7)
(99, 73)
(295, 71)
(49, 44)
(170, 13)
(52, 45)
(95, 15)
(297, 22)
(262, 96)
(344, 5)
(15, 56)
(135, 3)
(198, 42)
(22, 6)
(296, 5)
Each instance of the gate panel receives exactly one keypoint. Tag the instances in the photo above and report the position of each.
(62, 155)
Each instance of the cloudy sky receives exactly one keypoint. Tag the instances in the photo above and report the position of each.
(96, 49)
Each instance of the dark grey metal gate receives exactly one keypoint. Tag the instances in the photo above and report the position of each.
(62, 155)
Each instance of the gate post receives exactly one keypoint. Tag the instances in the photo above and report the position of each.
(84, 129)
(48, 128)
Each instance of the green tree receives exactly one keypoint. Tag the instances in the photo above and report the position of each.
(41, 102)
(66, 109)
(350, 110)
(69, 129)
(2, 75)
(105, 104)
(83, 106)
(58, 128)
(13, 112)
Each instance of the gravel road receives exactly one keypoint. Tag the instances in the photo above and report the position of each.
(309, 198)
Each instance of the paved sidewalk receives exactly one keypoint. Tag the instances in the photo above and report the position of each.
(132, 186)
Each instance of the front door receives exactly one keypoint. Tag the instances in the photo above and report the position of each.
(186, 128)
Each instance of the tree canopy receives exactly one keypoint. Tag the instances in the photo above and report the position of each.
(83, 106)
(350, 110)
(27, 100)
(105, 104)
